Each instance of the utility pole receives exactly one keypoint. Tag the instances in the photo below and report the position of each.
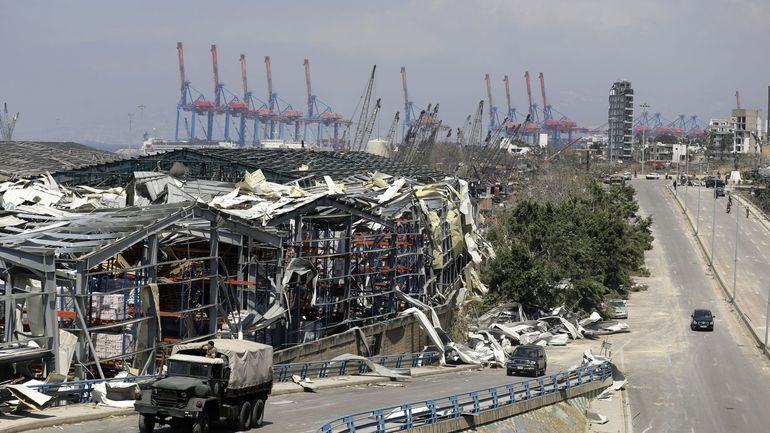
(644, 106)
(767, 321)
(735, 260)
(686, 173)
(713, 227)
(130, 118)
(697, 219)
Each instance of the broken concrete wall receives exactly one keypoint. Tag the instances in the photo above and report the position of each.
(399, 335)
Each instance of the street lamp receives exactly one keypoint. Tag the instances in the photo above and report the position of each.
(735, 260)
(644, 106)
(713, 226)
(697, 219)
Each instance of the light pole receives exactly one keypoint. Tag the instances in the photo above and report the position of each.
(644, 106)
(686, 174)
(735, 260)
(697, 219)
(713, 226)
(767, 321)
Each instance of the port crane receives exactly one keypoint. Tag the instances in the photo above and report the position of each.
(7, 124)
(494, 121)
(358, 138)
(321, 115)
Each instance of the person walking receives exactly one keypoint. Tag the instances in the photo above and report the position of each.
(674, 184)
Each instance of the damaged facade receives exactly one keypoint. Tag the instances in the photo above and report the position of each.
(103, 267)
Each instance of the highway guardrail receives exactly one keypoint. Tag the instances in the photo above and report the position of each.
(410, 415)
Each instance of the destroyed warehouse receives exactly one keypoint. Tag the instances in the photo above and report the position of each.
(103, 267)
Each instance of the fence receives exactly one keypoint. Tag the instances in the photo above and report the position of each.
(80, 391)
(410, 415)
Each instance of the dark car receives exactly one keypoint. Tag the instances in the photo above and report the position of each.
(719, 191)
(528, 359)
(702, 319)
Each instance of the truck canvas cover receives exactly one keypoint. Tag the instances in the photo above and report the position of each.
(250, 363)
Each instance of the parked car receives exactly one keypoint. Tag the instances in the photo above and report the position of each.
(618, 308)
(702, 319)
(529, 358)
(627, 175)
(652, 176)
(719, 191)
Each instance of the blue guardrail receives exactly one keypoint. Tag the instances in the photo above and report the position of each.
(411, 415)
(80, 391)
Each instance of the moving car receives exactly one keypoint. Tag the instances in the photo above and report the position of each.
(652, 176)
(702, 319)
(529, 358)
(719, 191)
(618, 308)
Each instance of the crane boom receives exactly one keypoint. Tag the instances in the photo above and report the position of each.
(216, 74)
(507, 94)
(738, 99)
(358, 138)
(542, 90)
(243, 77)
(529, 94)
(489, 99)
(180, 53)
(369, 126)
(269, 83)
(406, 92)
(309, 89)
(390, 138)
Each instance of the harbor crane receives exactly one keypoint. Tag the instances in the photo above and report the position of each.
(7, 124)
(358, 138)
(494, 121)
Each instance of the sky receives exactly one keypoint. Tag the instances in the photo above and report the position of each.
(76, 69)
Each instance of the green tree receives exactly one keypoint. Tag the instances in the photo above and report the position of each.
(574, 251)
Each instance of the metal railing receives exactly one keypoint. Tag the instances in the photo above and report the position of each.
(80, 390)
(410, 415)
(325, 369)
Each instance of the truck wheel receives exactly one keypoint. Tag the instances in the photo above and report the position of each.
(146, 423)
(244, 418)
(257, 413)
(201, 423)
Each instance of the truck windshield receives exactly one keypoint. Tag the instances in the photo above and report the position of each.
(181, 368)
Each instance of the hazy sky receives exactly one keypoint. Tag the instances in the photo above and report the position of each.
(75, 69)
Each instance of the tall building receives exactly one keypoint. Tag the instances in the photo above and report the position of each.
(621, 121)
(748, 130)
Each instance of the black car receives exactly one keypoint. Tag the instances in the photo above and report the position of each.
(702, 319)
(529, 359)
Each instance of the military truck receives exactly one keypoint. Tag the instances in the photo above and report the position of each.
(231, 383)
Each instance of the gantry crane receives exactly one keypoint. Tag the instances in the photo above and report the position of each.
(494, 121)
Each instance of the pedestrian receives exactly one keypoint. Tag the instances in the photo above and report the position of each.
(747, 212)
(674, 184)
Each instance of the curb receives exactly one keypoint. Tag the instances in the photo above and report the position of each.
(747, 323)
(99, 414)
(54, 421)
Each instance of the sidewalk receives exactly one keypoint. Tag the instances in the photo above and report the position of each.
(76, 413)
(616, 408)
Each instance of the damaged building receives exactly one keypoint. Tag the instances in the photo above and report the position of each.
(103, 267)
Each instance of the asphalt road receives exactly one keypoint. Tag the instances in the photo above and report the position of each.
(753, 255)
(680, 380)
(305, 412)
